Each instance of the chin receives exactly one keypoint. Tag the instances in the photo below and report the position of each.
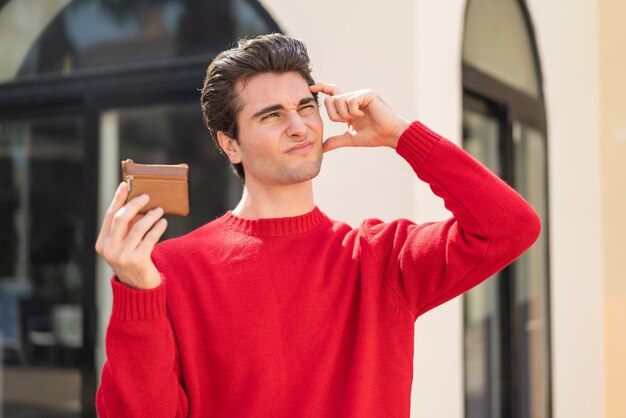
(304, 173)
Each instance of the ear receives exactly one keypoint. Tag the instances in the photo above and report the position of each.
(230, 146)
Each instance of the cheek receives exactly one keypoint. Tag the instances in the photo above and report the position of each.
(258, 148)
(314, 120)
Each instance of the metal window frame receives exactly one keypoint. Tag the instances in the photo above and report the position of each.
(485, 94)
(87, 95)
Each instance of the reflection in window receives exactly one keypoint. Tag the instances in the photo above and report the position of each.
(481, 313)
(41, 210)
(531, 279)
(45, 279)
(507, 370)
(172, 134)
(497, 42)
(89, 34)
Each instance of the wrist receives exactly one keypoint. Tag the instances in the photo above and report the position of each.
(151, 281)
(136, 304)
(401, 126)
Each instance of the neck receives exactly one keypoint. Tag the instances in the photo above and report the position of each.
(282, 201)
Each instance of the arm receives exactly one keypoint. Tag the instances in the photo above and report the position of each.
(141, 377)
(492, 225)
(426, 265)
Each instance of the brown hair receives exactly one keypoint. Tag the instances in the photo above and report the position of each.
(273, 53)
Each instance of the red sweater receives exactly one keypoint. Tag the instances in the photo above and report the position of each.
(306, 316)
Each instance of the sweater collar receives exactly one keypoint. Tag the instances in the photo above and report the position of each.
(276, 226)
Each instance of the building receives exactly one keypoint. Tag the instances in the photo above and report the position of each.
(531, 88)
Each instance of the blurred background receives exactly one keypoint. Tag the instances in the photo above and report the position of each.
(533, 89)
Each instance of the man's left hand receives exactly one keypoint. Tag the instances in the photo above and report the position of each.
(371, 122)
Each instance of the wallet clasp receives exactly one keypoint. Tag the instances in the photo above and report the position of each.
(129, 183)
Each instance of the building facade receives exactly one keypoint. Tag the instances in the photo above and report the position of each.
(530, 88)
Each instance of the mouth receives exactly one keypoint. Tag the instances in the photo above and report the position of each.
(301, 148)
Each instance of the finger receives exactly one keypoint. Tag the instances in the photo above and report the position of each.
(140, 228)
(118, 201)
(328, 89)
(152, 237)
(333, 114)
(342, 108)
(354, 106)
(133, 221)
(121, 219)
(337, 141)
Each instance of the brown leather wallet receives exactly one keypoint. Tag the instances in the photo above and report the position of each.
(165, 184)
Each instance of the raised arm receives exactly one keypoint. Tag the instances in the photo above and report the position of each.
(141, 377)
(491, 226)
(429, 264)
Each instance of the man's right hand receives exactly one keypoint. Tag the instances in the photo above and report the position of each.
(127, 239)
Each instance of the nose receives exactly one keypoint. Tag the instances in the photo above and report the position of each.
(296, 128)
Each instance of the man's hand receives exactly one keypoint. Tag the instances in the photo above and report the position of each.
(127, 239)
(371, 122)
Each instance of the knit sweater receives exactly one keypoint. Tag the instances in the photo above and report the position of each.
(306, 316)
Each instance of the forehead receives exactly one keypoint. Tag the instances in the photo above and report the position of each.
(269, 89)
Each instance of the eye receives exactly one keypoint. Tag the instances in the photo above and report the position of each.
(307, 109)
(270, 115)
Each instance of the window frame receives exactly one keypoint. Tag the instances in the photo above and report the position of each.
(485, 94)
(88, 93)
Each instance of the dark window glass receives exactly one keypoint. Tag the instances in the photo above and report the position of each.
(90, 34)
(41, 210)
(171, 134)
(49, 325)
(507, 365)
(481, 311)
(506, 319)
(531, 280)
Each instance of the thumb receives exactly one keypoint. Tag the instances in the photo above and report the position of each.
(337, 141)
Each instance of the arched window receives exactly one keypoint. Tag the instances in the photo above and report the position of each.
(83, 85)
(506, 319)
(65, 37)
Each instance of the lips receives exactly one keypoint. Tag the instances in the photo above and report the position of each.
(301, 147)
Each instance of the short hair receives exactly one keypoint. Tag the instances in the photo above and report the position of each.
(273, 53)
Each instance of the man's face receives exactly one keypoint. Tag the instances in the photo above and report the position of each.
(280, 130)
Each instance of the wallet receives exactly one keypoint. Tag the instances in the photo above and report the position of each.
(165, 184)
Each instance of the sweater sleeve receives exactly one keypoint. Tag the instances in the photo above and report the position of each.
(141, 377)
(491, 225)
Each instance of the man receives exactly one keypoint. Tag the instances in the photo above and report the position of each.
(275, 310)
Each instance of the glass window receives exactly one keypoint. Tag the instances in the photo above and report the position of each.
(531, 279)
(161, 134)
(53, 288)
(482, 317)
(41, 211)
(497, 42)
(61, 36)
(506, 319)
(172, 134)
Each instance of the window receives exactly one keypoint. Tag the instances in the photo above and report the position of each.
(83, 84)
(506, 319)
(65, 37)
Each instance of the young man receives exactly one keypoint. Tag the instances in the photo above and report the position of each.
(275, 310)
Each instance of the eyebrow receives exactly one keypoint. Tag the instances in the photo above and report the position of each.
(273, 108)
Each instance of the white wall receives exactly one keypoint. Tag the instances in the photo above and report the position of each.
(438, 382)
(409, 51)
(356, 45)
